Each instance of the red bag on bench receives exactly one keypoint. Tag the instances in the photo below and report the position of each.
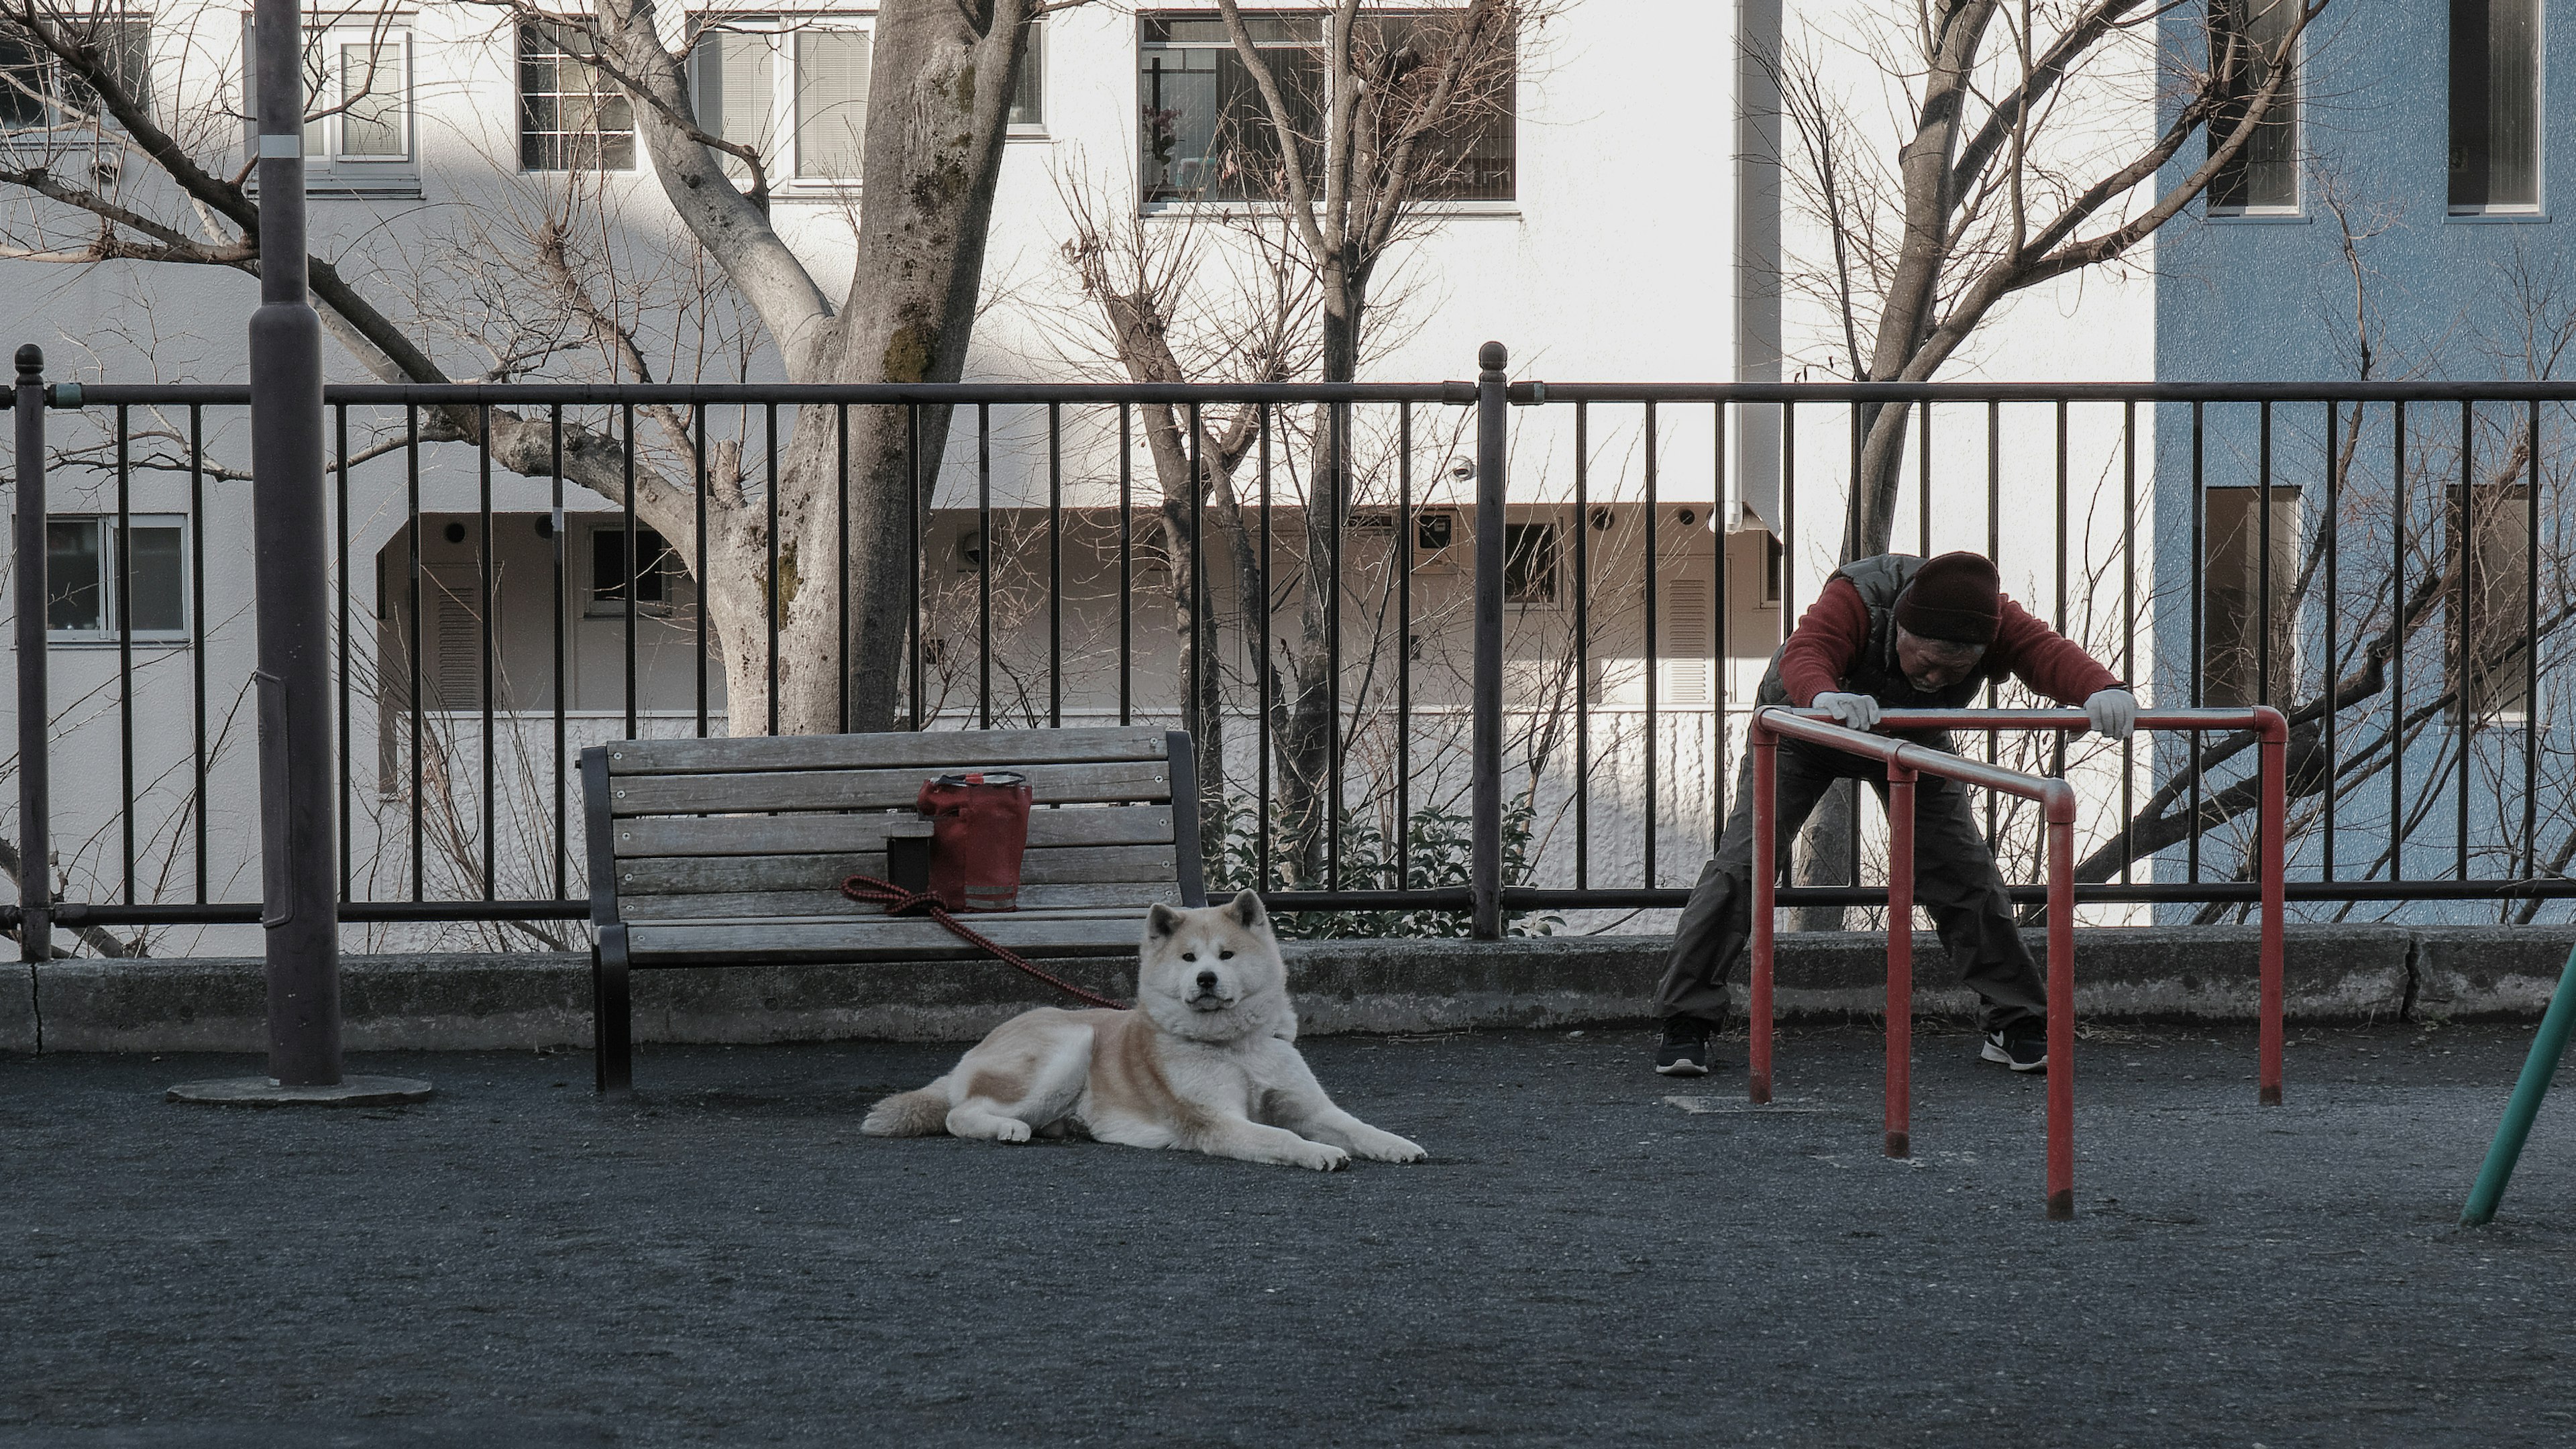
(979, 829)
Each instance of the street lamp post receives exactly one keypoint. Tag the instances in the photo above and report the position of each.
(300, 908)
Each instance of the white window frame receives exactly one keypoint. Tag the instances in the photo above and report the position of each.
(1033, 62)
(2296, 208)
(107, 633)
(780, 156)
(519, 115)
(56, 129)
(328, 170)
(2536, 209)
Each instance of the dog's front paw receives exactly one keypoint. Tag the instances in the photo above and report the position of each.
(1387, 1147)
(1011, 1129)
(1320, 1157)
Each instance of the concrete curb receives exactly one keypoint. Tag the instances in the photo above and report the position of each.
(476, 1003)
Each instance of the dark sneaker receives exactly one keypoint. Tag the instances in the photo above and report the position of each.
(1686, 1050)
(2022, 1048)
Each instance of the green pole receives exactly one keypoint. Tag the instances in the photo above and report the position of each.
(2537, 1069)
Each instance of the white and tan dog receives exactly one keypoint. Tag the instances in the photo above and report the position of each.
(1207, 1062)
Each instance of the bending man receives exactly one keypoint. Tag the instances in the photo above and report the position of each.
(1892, 632)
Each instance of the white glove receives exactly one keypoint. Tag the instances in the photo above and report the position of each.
(2114, 712)
(1851, 711)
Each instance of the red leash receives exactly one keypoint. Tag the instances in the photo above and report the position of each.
(900, 902)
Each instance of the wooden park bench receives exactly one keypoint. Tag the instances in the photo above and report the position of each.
(731, 852)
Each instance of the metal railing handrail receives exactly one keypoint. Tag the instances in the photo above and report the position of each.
(1904, 760)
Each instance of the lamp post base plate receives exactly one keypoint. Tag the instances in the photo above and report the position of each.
(265, 1092)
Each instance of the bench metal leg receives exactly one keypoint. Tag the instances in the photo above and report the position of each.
(612, 1022)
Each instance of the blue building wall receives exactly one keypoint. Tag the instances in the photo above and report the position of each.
(2273, 298)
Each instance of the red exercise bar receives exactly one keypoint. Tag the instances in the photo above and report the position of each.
(1905, 762)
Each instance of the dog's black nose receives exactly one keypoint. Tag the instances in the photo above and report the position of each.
(1207, 981)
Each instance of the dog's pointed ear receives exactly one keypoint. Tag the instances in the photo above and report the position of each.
(1162, 920)
(1247, 912)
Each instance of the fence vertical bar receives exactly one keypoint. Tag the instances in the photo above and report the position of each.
(1055, 566)
(1126, 568)
(2332, 545)
(196, 627)
(1486, 769)
(483, 583)
(1789, 542)
(769, 578)
(1900, 960)
(2263, 558)
(1582, 643)
(1764, 747)
(841, 553)
(2397, 831)
(633, 584)
(1261, 729)
(2465, 666)
(2197, 586)
(1336, 495)
(1653, 743)
(125, 645)
(984, 565)
(2128, 620)
(2530, 646)
(555, 498)
(2274, 762)
(340, 532)
(1718, 531)
(1197, 680)
(2059, 600)
(915, 498)
(698, 479)
(1994, 551)
(411, 632)
(35, 709)
(1404, 654)
(1923, 482)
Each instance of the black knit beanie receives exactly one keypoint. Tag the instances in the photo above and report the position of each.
(1957, 597)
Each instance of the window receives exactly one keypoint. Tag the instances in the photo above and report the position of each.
(81, 564)
(2498, 612)
(1529, 563)
(1207, 136)
(358, 101)
(571, 117)
(2231, 650)
(608, 576)
(1028, 98)
(37, 94)
(2495, 105)
(2245, 37)
(797, 93)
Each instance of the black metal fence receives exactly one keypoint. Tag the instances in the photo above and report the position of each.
(1460, 655)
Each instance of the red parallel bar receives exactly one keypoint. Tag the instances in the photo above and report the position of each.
(2270, 724)
(1766, 872)
(2056, 800)
(2061, 1009)
(1900, 960)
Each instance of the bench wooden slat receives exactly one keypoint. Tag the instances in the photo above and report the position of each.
(1047, 901)
(680, 875)
(804, 790)
(1107, 934)
(940, 750)
(687, 836)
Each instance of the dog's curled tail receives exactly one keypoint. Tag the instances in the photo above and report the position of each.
(909, 1114)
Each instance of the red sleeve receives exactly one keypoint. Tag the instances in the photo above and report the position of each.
(2046, 660)
(1830, 635)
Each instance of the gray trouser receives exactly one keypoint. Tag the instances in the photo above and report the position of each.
(1954, 878)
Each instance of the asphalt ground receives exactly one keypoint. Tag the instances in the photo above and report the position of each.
(725, 1260)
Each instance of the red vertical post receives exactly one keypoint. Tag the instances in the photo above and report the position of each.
(2061, 1004)
(1766, 872)
(2275, 756)
(1900, 959)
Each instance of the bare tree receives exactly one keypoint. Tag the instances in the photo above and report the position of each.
(129, 176)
